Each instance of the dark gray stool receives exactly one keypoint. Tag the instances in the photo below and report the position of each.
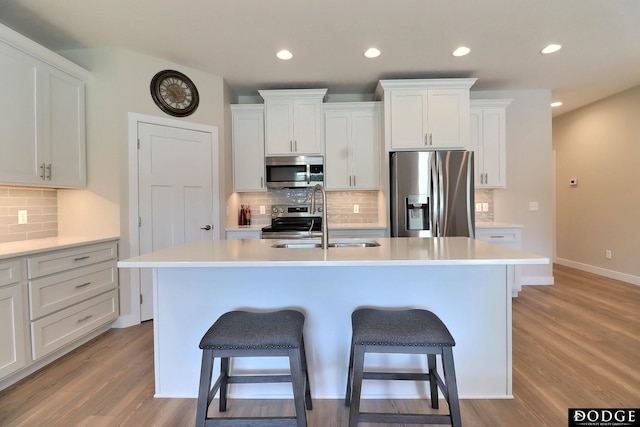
(405, 332)
(247, 334)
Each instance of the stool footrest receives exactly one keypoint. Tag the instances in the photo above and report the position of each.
(250, 422)
(417, 376)
(243, 379)
(372, 417)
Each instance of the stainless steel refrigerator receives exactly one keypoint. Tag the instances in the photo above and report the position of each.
(432, 194)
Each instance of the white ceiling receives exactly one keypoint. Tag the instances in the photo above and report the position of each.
(238, 39)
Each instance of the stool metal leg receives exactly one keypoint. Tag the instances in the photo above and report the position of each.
(298, 383)
(452, 386)
(205, 386)
(358, 368)
(347, 398)
(433, 383)
(224, 380)
(307, 389)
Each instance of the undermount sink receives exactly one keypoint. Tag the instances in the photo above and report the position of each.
(315, 243)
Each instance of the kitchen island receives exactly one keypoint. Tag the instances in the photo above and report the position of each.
(462, 280)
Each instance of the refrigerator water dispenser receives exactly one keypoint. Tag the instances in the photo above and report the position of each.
(417, 209)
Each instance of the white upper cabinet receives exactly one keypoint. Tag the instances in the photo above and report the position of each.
(293, 121)
(352, 145)
(488, 140)
(248, 147)
(42, 138)
(426, 114)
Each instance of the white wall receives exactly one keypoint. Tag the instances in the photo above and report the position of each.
(119, 84)
(529, 175)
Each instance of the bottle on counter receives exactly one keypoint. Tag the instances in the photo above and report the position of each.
(242, 219)
(247, 214)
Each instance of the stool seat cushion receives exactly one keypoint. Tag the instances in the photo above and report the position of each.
(248, 330)
(399, 327)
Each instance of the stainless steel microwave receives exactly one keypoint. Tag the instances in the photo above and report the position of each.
(294, 171)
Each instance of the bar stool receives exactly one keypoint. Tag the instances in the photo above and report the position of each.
(405, 332)
(248, 334)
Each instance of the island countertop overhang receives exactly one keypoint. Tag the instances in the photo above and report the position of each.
(404, 251)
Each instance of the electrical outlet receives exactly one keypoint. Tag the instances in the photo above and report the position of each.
(607, 253)
(22, 216)
(262, 210)
(356, 208)
(478, 207)
(485, 207)
(534, 206)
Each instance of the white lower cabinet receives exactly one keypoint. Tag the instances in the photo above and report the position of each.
(13, 345)
(66, 297)
(71, 292)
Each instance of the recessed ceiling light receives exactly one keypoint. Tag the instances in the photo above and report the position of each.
(372, 52)
(461, 51)
(556, 104)
(284, 54)
(551, 48)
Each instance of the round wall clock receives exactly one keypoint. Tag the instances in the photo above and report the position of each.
(174, 93)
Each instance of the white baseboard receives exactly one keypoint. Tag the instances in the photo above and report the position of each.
(537, 280)
(635, 280)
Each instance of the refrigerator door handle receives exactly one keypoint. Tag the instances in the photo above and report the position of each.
(435, 199)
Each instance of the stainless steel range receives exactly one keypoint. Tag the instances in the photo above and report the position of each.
(293, 222)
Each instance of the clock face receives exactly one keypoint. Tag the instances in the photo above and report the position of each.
(174, 93)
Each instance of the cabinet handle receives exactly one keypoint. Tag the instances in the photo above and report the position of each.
(42, 171)
(354, 180)
(49, 171)
(497, 237)
(295, 145)
(85, 318)
(83, 285)
(430, 139)
(81, 258)
(426, 139)
(291, 144)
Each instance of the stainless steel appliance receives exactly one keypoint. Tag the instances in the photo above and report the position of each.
(294, 222)
(294, 171)
(432, 194)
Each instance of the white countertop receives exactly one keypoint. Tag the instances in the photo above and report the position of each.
(27, 247)
(391, 252)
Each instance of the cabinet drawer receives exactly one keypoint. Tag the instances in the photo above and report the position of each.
(498, 237)
(59, 329)
(57, 291)
(66, 259)
(11, 272)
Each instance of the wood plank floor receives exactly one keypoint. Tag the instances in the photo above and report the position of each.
(575, 344)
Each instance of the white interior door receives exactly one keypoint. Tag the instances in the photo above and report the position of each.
(175, 193)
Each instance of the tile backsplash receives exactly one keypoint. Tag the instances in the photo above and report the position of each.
(340, 205)
(42, 213)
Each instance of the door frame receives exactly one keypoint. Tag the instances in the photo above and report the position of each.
(133, 317)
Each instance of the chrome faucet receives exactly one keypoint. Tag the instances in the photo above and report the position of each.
(325, 229)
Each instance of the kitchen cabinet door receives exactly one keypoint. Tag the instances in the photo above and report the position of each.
(65, 139)
(13, 345)
(352, 145)
(42, 139)
(426, 113)
(248, 148)
(21, 112)
(488, 140)
(293, 121)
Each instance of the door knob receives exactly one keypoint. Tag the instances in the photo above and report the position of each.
(206, 227)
